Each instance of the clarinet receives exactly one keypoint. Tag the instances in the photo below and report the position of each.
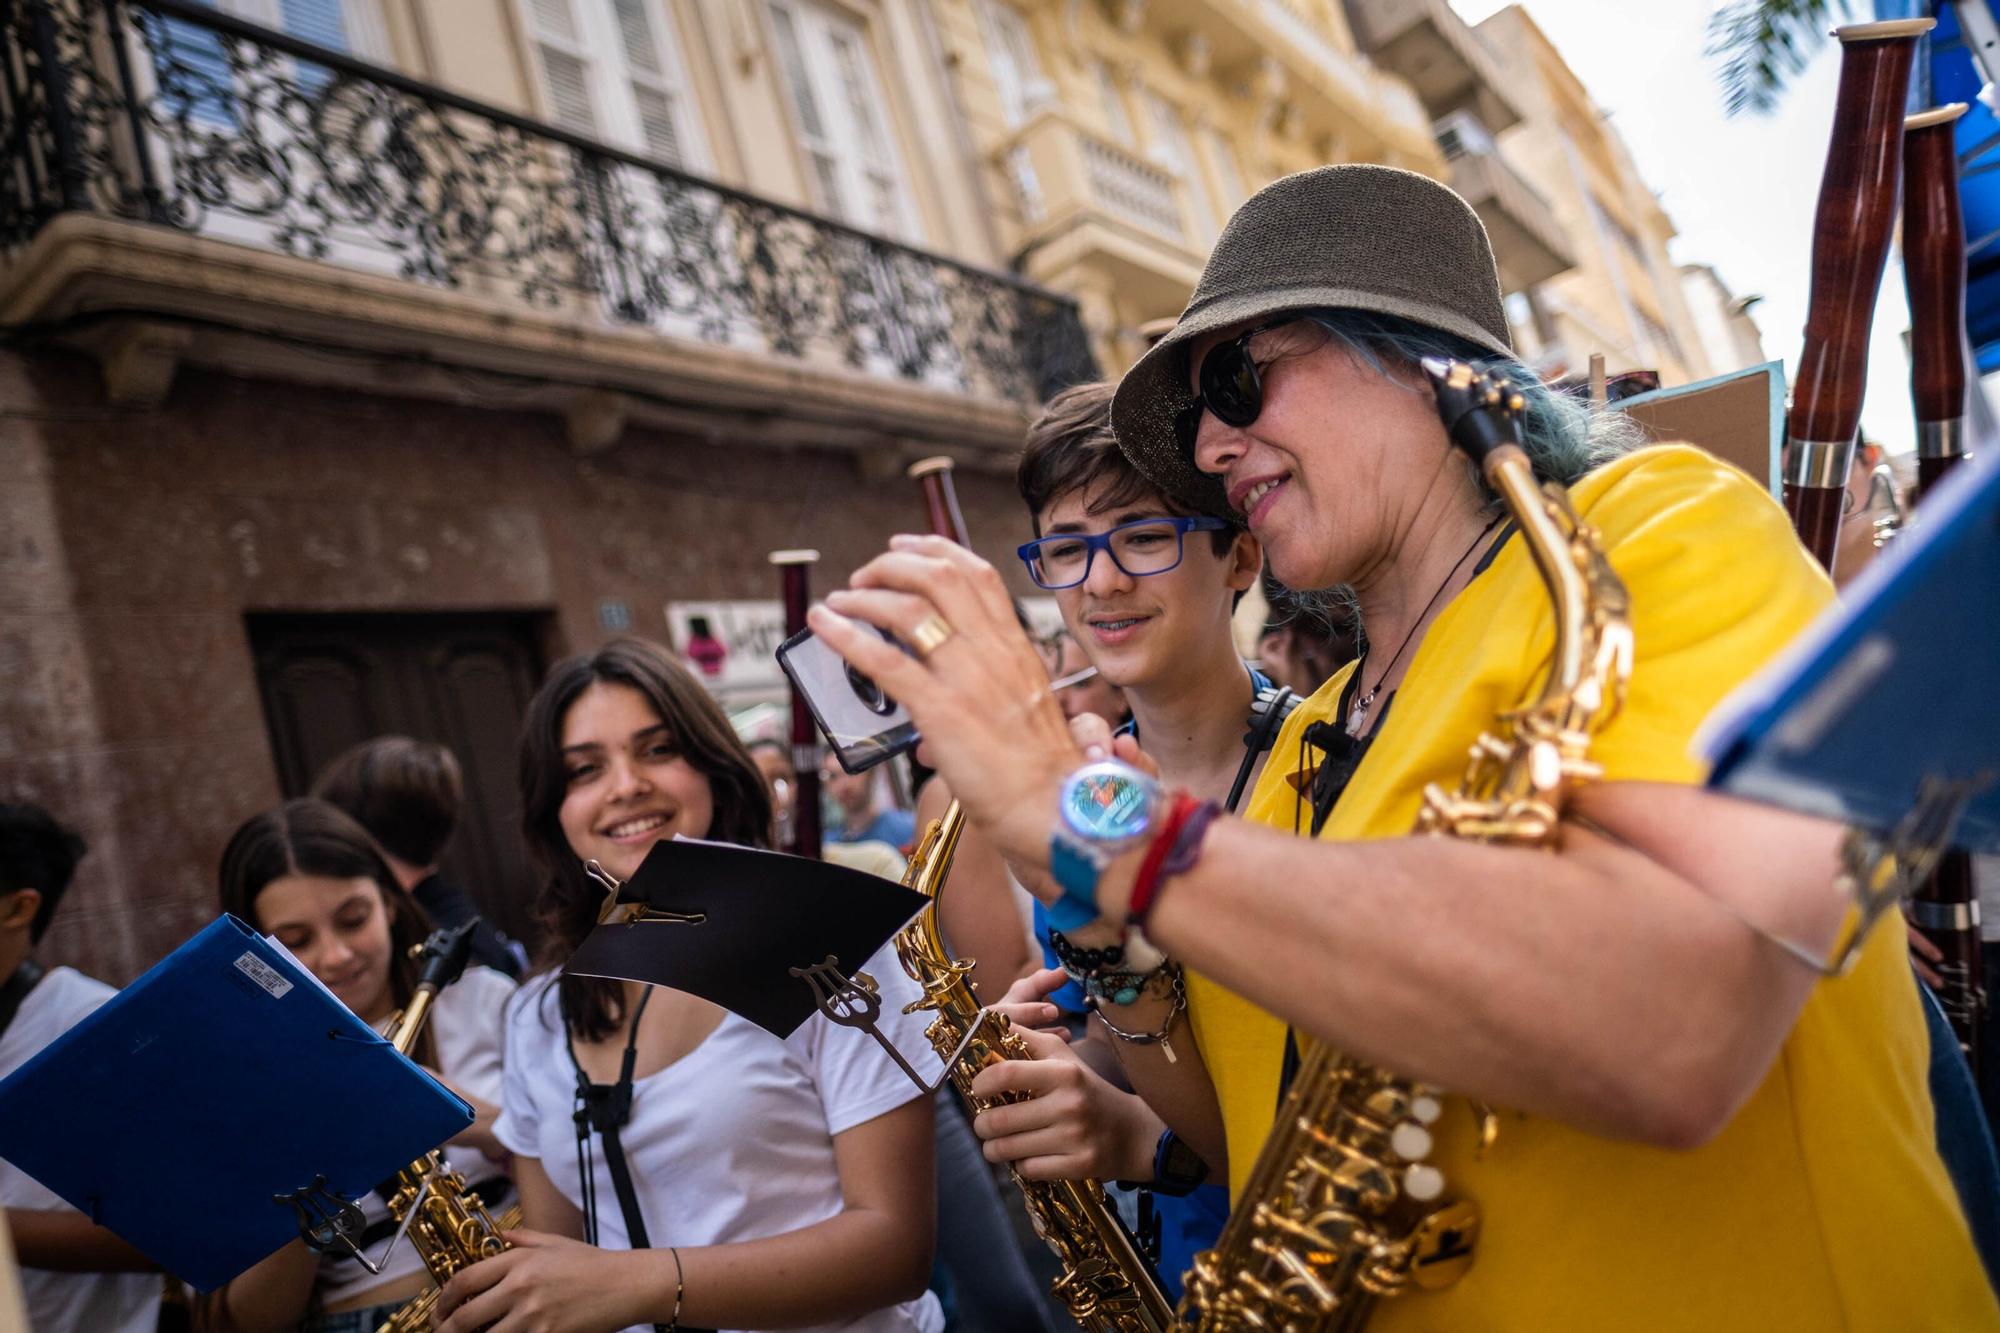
(802, 838)
(1946, 908)
(1851, 233)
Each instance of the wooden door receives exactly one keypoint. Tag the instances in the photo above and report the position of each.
(462, 680)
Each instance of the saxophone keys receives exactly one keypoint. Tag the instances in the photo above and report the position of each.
(1425, 1109)
(1422, 1182)
(1410, 1141)
(1442, 1246)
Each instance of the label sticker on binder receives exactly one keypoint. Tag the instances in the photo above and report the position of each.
(261, 972)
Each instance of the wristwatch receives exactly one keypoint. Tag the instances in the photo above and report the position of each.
(1105, 808)
(1178, 1170)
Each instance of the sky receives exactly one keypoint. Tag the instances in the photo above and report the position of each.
(1740, 189)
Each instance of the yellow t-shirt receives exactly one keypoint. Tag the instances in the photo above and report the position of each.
(1823, 1204)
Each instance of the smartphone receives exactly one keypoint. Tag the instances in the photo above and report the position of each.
(863, 725)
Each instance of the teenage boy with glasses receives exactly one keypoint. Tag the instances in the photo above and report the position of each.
(1146, 589)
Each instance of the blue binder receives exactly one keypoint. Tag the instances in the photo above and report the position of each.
(223, 1077)
(1894, 688)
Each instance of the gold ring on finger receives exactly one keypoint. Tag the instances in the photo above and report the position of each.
(929, 634)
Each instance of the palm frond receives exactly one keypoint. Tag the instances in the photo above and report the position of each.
(1760, 45)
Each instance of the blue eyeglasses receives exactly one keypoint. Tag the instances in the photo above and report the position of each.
(1139, 548)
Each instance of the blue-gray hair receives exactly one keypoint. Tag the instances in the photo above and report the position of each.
(1565, 437)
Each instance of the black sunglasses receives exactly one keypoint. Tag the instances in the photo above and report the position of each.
(1232, 386)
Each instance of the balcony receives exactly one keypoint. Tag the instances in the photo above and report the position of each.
(1085, 198)
(1331, 86)
(230, 183)
(1529, 245)
(1428, 44)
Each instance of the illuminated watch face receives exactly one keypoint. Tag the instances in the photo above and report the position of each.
(1108, 803)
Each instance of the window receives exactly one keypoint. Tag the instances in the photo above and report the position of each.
(1228, 175)
(193, 63)
(1172, 150)
(837, 98)
(1460, 134)
(611, 69)
(1116, 118)
(1016, 70)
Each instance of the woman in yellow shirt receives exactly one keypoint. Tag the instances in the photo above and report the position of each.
(1694, 1134)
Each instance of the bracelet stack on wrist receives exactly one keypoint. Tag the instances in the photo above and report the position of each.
(1173, 851)
(1112, 974)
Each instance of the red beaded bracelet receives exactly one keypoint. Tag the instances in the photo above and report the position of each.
(1147, 882)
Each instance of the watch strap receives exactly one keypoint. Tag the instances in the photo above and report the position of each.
(1077, 871)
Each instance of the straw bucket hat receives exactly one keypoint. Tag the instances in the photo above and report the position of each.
(1356, 237)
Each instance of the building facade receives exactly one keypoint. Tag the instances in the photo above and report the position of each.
(1114, 138)
(366, 356)
(1729, 334)
(1623, 297)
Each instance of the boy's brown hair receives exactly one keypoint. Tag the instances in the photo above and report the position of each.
(1070, 448)
(405, 792)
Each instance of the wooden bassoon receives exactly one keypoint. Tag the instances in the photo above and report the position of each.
(794, 570)
(1946, 908)
(1852, 227)
(941, 509)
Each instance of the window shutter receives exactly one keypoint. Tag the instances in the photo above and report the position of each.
(565, 68)
(568, 80)
(652, 94)
(812, 124)
(317, 21)
(1016, 71)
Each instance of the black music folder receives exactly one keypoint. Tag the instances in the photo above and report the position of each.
(731, 924)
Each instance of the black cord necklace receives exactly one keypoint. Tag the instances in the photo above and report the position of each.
(1357, 717)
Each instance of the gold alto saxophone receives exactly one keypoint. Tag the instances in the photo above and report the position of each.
(446, 1222)
(1106, 1285)
(1341, 1207)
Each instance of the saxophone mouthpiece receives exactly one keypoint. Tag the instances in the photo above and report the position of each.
(1481, 410)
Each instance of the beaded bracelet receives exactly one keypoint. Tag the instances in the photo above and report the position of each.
(1163, 1037)
(1116, 973)
(680, 1288)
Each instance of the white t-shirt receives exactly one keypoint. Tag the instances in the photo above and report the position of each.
(733, 1141)
(469, 1025)
(67, 1302)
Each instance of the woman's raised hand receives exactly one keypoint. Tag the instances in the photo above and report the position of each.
(979, 695)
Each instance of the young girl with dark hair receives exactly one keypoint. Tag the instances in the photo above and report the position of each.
(310, 877)
(776, 1183)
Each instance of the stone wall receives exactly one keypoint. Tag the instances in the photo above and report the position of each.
(133, 543)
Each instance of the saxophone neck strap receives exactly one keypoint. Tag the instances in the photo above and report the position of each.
(1269, 708)
(606, 1108)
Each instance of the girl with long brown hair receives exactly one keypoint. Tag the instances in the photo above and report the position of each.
(722, 1177)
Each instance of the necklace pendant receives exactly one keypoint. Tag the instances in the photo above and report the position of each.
(1357, 716)
(1167, 1049)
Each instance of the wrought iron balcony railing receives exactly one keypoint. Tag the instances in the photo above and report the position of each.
(168, 112)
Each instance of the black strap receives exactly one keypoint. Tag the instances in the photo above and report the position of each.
(606, 1108)
(26, 977)
(1268, 711)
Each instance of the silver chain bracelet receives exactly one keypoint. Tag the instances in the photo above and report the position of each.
(1177, 1005)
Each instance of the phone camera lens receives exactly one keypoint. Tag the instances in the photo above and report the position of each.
(869, 693)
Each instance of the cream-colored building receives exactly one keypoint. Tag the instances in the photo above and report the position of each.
(1114, 137)
(1623, 298)
(1729, 335)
